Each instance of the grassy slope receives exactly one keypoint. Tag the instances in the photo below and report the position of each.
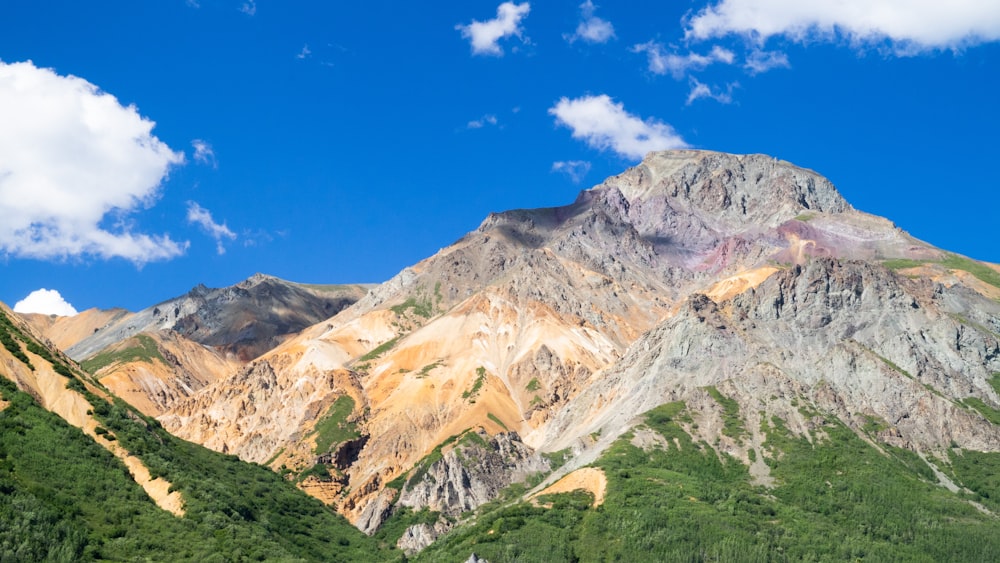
(838, 500)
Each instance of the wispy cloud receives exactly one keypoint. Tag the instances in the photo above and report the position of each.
(662, 62)
(759, 61)
(305, 52)
(576, 169)
(488, 119)
(484, 36)
(45, 302)
(912, 26)
(198, 215)
(700, 90)
(605, 125)
(591, 28)
(249, 7)
(203, 153)
(68, 187)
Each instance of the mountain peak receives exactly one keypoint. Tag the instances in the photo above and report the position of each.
(731, 192)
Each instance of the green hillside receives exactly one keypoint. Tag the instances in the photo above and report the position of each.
(837, 500)
(65, 498)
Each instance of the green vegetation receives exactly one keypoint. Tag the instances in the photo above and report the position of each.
(426, 370)
(980, 473)
(953, 262)
(476, 385)
(420, 308)
(981, 271)
(377, 351)
(320, 471)
(805, 217)
(873, 425)
(145, 350)
(394, 527)
(65, 498)
(733, 424)
(9, 336)
(420, 303)
(836, 499)
(994, 381)
(499, 422)
(533, 385)
(991, 414)
(902, 263)
(557, 459)
(333, 428)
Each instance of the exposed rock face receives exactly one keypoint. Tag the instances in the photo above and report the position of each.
(852, 337)
(244, 320)
(417, 537)
(472, 473)
(693, 269)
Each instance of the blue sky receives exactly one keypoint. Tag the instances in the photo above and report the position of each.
(338, 142)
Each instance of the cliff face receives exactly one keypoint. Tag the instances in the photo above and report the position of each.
(691, 274)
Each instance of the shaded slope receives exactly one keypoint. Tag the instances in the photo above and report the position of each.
(244, 320)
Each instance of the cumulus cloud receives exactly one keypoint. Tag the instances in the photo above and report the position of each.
(700, 90)
(605, 125)
(45, 302)
(203, 153)
(488, 119)
(200, 216)
(591, 29)
(74, 163)
(911, 25)
(485, 36)
(575, 169)
(662, 62)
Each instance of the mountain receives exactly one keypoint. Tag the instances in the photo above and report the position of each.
(164, 353)
(706, 357)
(744, 287)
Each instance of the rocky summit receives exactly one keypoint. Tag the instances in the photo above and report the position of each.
(730, 309)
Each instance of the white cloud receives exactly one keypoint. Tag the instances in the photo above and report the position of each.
(605, 125)
(305, 52)
(575, 169)
(203, 153)
(699, 90)
(759, 61)
(662, 62)
(72, 157)
(488, 119)
(200, 216)
(911, 25)
(249, 7)
(45, 302)
(484, 36)
(591, 29)
(193, 3)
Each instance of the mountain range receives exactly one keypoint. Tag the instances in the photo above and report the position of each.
(725, 323)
